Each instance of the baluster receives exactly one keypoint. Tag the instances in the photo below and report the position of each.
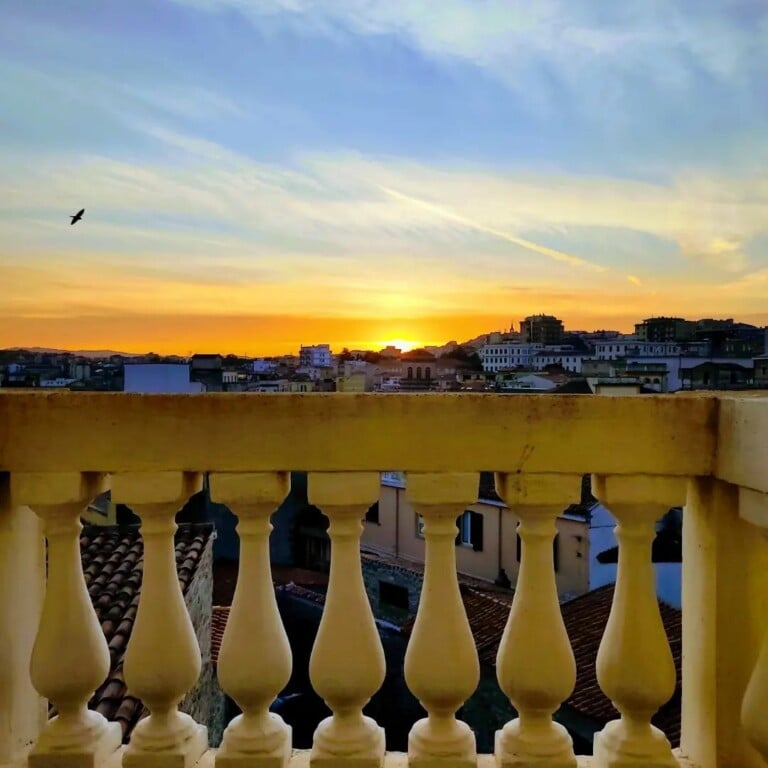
(535, 664)
(441, 665)
(255, 657)
(23, 712)
(70, 658)
(347, 663)
(163, 658)
(635, 667)
(753, 507)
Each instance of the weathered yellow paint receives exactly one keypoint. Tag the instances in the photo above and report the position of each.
(22, 588)
(575, 434)
(742, 458)
(642, 450)
(725, 617)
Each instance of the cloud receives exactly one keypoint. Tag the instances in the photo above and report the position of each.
(723, 253)
(599, 58)
(566, 258)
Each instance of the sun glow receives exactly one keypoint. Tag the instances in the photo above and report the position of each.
(404, 345)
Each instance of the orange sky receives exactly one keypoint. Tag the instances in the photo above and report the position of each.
(263, 335)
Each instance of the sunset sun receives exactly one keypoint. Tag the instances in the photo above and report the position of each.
(405, 345)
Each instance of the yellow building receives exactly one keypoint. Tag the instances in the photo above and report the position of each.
(356, 381)
(487, 545)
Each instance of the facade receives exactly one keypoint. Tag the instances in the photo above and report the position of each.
(507, 355)
(615, 349)
(316, 356)
(487, 547)
(761, 371)
(541, 329)
(263, 365)
(665, 329)
(569, 359)
(208, 371)
(157, 378)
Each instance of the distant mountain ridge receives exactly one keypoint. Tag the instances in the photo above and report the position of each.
(78, 352)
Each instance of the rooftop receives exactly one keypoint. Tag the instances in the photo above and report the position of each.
(112, 559)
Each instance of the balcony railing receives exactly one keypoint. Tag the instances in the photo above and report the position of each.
(646, 454)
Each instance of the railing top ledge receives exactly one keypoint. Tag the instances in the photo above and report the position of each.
(106, 432)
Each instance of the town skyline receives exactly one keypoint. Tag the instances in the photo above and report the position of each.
(290, 348)
(326, 166)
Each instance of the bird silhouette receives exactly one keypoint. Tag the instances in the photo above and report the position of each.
(77, 216)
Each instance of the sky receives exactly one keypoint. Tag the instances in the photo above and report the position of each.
(258, 174)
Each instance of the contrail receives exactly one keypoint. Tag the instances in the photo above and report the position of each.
(634, 280)
(531, 246)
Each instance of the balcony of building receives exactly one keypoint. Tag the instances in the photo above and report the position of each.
(59, 451)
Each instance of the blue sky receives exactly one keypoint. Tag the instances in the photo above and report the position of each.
(377, 162)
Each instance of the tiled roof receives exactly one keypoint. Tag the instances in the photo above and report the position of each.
(219, 618)
(585, 619)
(414, 566)
(112, 558)
(487, 615)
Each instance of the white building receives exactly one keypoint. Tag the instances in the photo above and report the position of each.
(263, 365)
(159, 378)
(316, 356)
(507, 355)
(602, 537)
(613, 349)
(569, 359)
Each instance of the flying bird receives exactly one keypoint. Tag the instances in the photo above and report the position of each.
(77, 216)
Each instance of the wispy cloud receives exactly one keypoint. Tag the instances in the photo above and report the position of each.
(567, 258)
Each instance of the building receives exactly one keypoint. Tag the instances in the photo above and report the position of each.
(541, 329)
(208, 370)
(263, 365)
(159, 378)
(721, 375)
(568, 359)
(487, 546)
(665, 329)
(761, 371)
(507, 355)
(316, 356)
(630, 346)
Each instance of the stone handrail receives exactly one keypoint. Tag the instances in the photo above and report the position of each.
(57, 451)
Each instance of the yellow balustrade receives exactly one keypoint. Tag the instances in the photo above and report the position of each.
(535, 663)
(58, 450)
(257, 738)
(347, 662)
(163, 659)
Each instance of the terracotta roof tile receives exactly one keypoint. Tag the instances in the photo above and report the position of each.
(219, 619)
(585, 618)
(112, 558)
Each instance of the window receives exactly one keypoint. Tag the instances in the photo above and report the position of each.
(394, 595)
(372, 515)
(419, 526)
(410, 372)
(418, 372)
(470, 526)
(428, 373)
